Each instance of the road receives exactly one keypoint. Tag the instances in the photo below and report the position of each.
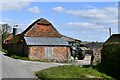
(14, 68)
(0, 66)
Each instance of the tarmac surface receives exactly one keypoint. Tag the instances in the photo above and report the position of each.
(14, 68)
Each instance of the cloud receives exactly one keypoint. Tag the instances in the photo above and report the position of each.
(3, 22)
(89, 6)
(98, 14)
(13, 5)
(86, 25)
(106, 17)
(34, 10)
(58, 9)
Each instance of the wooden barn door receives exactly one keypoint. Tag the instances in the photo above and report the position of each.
(49, 53)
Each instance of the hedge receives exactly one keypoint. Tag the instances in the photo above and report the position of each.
(110, 61)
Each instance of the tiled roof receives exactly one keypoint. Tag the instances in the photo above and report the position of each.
(16, 39)
(43, 21)
(114, 38)
(41, 28)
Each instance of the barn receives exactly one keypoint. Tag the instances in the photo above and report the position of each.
(40, 41)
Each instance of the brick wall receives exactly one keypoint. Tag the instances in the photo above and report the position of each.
(59, 53)
(62, 53)
(36, 52)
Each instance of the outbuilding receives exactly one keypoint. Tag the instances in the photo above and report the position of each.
(40, 41)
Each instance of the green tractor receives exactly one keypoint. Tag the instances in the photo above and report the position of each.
(76, 51)
(80, 53)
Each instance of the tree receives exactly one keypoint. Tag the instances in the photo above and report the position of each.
(5, 31)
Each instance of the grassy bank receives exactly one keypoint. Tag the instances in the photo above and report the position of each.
(70, 71)
(0, 47)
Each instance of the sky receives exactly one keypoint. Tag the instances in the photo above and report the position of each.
(87, 21)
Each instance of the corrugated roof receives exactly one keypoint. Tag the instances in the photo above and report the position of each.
(69, 39)
(45, 41)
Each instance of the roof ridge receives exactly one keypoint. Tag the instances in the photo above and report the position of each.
(43, 21)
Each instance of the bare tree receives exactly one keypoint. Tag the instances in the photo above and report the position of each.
(0, 36)
(5, 31)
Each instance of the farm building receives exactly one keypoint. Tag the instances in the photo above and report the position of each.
(114, 38)
(40, 41)
(71, 40)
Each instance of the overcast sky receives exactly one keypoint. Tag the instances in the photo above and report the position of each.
(87, 21)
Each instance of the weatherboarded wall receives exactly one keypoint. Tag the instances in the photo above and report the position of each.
(19, 49)
(58, 53)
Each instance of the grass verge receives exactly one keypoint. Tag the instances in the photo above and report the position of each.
(0, 48)
(71, 72)
(15, 56)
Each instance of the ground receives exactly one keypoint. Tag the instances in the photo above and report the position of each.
(14, 68)
(0, 66)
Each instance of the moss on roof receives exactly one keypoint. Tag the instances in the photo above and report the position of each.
(114, 38)
(16, 39)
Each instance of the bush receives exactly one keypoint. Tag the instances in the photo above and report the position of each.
(110, 61)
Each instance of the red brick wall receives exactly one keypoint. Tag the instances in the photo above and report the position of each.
(38, 53)
(61, 53)
(42, 31)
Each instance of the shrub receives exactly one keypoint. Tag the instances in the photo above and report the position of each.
(110, 61)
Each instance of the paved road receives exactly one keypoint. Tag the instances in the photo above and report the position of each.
(13, 68)
(0, 66)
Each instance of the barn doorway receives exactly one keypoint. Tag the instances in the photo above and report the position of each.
(49, 53)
